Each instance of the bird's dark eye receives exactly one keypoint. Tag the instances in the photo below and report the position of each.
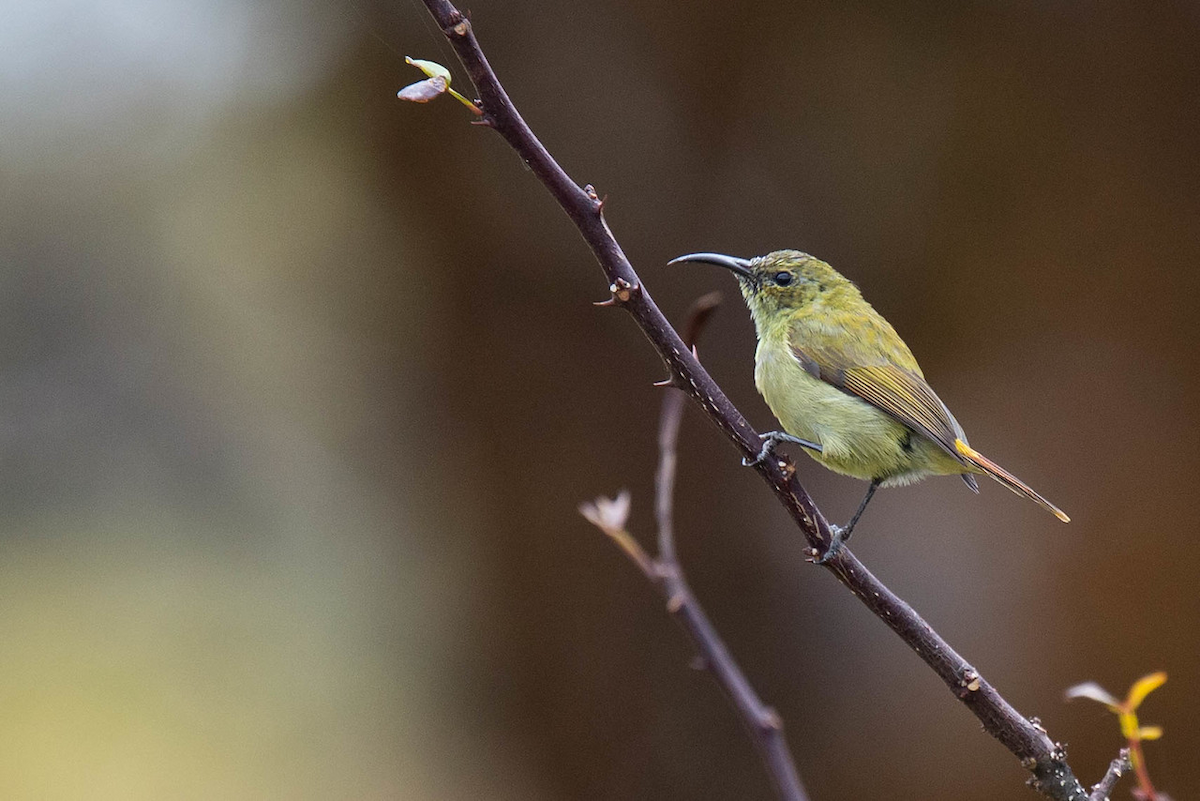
(783, 278)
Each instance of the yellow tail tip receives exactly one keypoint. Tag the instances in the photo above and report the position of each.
(1001, 475)
(965, 450)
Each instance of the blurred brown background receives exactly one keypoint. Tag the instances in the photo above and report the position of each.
(300, 387)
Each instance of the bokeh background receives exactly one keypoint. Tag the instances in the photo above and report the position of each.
(300, 387)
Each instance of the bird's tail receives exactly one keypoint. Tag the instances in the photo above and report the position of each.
(977, 459)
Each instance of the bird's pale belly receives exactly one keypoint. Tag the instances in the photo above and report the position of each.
(856, 438)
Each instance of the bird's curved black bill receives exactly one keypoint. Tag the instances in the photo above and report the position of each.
(739, 266)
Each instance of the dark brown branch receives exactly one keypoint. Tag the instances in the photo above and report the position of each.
(1027, 741)
(665, 573)
(1116, 769)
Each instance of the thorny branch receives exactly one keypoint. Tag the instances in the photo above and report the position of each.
(1029, 742)
(665, 573)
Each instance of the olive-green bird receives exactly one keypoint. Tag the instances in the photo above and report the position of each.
(845, 386)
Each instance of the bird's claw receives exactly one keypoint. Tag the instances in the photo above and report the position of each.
(836, 542)
(773, 438)
(768, 445)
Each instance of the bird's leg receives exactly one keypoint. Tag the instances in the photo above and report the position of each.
(842, 535)
(773, 438)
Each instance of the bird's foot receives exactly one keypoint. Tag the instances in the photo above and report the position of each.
(773, 438)
(839, 537)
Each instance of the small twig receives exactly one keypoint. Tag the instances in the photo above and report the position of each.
(668, 434)
(1038, 753)
(665, 573)
(1119, 766)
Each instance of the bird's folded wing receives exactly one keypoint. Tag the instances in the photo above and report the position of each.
(859, 369)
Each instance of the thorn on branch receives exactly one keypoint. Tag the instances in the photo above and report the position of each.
(457, 25)
(969, 682)
(621, 291)
(770, 720)
(597, 201)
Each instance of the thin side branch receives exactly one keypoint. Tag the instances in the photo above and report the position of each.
(665, 573)
(1116, 769)
(668, 435)
(1037, 752)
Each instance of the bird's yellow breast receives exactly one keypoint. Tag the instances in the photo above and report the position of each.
(856, 438)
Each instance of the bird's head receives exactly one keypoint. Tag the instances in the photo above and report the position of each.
(779, 282)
